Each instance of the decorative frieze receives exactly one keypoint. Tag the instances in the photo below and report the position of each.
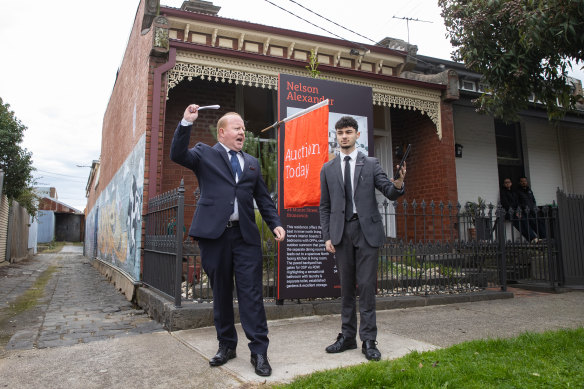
(190, 65)
(211, 73)
(428, 108)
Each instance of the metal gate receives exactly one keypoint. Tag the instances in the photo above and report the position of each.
(571, 224)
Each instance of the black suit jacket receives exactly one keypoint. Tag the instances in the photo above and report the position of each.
(219, 189)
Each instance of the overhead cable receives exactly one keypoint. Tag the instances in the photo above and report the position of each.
(333, 22)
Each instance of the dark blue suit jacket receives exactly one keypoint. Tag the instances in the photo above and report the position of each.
(219, 189)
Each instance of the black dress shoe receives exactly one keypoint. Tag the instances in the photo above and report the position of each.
(261, 364)
(223, 355)
(370, 350)
(342, 344)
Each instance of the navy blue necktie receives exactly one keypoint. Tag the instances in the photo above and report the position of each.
(235, 166)
(348, 190)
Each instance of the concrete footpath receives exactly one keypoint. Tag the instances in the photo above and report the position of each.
(84, 334)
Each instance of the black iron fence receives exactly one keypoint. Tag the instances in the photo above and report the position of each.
(431, 248)
(163, 243)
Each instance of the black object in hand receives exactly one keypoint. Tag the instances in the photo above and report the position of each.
(401, 164)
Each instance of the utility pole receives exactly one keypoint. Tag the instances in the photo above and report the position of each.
(408, 23)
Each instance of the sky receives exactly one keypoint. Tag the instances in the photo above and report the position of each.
(60, 58)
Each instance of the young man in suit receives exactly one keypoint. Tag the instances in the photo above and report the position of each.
(353, 231)
(224, 225)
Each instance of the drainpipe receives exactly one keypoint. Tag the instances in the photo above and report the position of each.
(155, 128)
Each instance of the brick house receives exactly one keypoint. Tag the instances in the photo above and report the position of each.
(192, 55)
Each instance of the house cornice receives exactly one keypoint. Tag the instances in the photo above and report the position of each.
(188, 16)
(216, 66)
(220, 51)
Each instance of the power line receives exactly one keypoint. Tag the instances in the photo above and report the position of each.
(301, 18)
(70, 179)
(57, 174)
(335, 23)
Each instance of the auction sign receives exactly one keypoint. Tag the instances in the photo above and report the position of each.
(305, 268)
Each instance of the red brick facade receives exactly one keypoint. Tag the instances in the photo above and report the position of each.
(431, 171)
(47, 204)
(431, 168)
(125, 119)
(139, 97)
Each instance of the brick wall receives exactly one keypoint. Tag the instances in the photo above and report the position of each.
(125, 118)
(431, 170)
(47, 204)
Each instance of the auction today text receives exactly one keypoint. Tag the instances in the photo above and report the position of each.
(299, 169)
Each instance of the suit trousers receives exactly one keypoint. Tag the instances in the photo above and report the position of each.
(222, 259)
(357, 263)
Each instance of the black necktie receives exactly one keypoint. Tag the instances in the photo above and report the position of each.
(235, 166)
(348, 190)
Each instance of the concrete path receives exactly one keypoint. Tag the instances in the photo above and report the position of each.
(84, 334)
(297, 345)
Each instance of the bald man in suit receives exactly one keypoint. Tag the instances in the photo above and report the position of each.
(225, 228)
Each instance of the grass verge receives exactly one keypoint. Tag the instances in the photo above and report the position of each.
(553, 359)
(30, 298)
(22, 303)
(51, 247)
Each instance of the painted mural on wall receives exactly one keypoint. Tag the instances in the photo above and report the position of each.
(115, 222)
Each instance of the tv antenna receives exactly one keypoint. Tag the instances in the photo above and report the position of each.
(408, 23)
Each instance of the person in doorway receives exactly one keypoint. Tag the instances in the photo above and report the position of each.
(510, 204)
(352, 229)
(224, 226)
(529, 208)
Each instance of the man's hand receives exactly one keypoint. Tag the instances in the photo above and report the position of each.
(402, 174)
(191, 113)
(280, 233)
(329, 246)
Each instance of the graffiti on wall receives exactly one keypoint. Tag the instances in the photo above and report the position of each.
(116, 218)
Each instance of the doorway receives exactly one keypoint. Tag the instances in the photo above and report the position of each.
(383, 152)
(509, 152)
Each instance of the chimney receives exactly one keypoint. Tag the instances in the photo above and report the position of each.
(200, 6)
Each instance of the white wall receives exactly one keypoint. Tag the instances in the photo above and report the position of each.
(542, 159)
(32, 235)
(476, 172)
(575, 155)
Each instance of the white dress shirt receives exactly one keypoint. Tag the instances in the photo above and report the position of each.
(235, 214)
(352, 163)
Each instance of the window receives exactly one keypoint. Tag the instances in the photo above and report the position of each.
(468, 85)
(508, 141)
